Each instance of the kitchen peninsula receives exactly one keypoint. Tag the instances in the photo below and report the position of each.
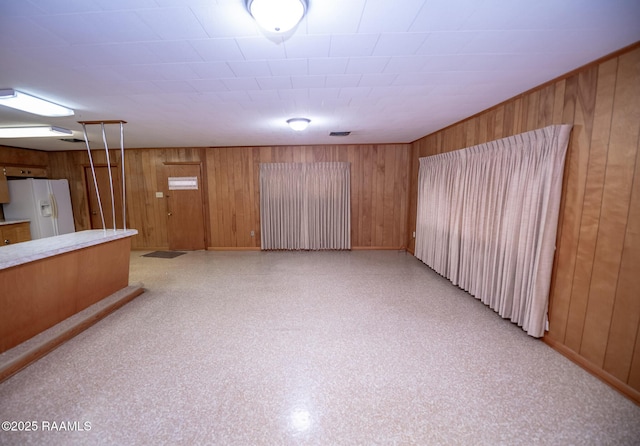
(48, 280)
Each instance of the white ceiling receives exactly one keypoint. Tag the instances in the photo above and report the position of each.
(201, 73)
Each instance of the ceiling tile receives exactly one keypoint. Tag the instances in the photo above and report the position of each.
(295, 94)
(212, 70)
(381, 16)
(112, 26)
(446, 15)
(175, 86)
(173, 23)
(264, 96)
(217, 49)
(24, 32)
(303, 47)
(333, 65)
(289, 67)
(259, 48)
(19, 8)
(225, 19)
(308, 81)
(399, 44)
(123, 5)
(250, 68)
(156, 72)
(342, 81)
(66, 6)
(353, 45)
(408, 79)
(377, 80)
(274, 83)
(549, 14)
(136, 88)
(403, 64)
(367, 65)
(115, 54)
(137, 72)
(446, 42)
(354, 92)
(208, 85)
(236, 95)
(174, 51)
(323, 94)
(245, 83)
(327, 17)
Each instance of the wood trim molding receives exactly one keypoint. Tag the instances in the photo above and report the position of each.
(596, 371)
(182, 163)
(233, 248)
(378, 248)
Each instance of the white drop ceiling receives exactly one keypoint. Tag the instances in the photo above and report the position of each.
(194, 73)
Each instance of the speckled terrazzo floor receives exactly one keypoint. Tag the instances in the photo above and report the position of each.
(326, 348)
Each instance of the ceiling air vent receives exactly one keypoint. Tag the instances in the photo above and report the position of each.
(72, 140)
(339, 133)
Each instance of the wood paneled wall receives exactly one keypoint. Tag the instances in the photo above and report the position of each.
(11, 156)
(595, 298)
(143, 170)
(379, 190)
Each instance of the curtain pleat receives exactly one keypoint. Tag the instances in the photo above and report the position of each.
(487, 220)
(305, 206)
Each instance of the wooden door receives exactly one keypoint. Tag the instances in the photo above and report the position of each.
(102, 178)
(185, 206)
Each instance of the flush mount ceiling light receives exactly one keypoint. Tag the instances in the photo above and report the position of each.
(298, 124)
(31, 104)
(277, 16)
(33, 132)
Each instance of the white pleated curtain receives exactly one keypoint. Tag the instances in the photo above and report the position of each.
(305, 206)
(487, 220)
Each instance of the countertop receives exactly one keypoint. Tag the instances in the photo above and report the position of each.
(25, 252)
(12, 222)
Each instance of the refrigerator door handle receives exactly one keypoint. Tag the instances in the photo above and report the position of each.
(54, 206)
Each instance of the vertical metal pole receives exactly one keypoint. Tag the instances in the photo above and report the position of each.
(93, 172)
(124, 190)
(113, 202)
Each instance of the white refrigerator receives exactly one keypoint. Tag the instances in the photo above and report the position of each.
(45, 203)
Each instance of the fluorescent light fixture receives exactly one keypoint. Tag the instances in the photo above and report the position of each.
(33, 132)
(277, 16)
(31, 104)
(298, 124)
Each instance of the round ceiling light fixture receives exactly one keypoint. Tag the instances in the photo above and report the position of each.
(277, 16)
(298, 124)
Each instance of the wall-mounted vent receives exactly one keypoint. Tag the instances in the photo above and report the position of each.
(339, 133)
(72, 140)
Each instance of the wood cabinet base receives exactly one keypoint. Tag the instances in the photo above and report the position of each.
(40, 345)
(40, 294)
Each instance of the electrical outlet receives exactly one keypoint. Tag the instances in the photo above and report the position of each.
(253, 233)
(159, 195)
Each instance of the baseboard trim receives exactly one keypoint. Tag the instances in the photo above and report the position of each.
(257, 248)
(233, 248)
(378, 248)
(614, 382)
(151, 248)
(19, 357)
